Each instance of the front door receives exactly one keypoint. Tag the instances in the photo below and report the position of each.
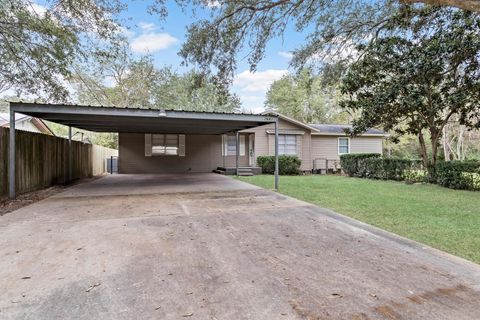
(251, 150)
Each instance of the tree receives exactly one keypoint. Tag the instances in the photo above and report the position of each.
(41, 44)
(135, 82)
(416, 83)
(119, 80)
(471, 5)
(305, 97)
(332, 29)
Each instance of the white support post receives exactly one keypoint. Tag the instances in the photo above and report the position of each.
(70, 155)
(237, 147)
(276, 154)
(11, 157)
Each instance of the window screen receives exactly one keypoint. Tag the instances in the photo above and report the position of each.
(164, 144)
(343, 145)
(287, 144)
(231, 145)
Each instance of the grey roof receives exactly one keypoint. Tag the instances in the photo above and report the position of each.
(141, 120)
(5, 117)
(340, 129)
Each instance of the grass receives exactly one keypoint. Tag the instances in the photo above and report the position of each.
(445, 219)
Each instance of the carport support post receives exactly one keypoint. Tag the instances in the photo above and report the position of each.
(237, 143)
(276, 154)
(70, 154)
(11, 156)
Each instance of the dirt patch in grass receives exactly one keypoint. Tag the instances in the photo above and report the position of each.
(28, 198)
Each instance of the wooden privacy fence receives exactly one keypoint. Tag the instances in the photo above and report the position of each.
(42, 161)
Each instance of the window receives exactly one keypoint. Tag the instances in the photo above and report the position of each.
(230, 145)
(164, 145)
(287, 144)
(343, 145)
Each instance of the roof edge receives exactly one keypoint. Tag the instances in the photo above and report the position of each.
(284, 117)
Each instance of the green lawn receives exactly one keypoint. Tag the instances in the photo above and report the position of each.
(442, 218)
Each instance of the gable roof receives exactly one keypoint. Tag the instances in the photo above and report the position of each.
(38, 123)
(326, 129)
(284, 117)
(340, 129)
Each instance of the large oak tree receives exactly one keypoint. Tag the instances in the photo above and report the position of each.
(418, 82)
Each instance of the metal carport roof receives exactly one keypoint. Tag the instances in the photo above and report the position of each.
(138, 120)
(135, 120)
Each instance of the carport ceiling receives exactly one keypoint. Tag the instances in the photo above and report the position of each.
(138, 120)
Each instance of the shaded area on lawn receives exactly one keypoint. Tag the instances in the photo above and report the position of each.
(445, 219)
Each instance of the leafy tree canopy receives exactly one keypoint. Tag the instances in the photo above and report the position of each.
(129, 82)
(417, 82)
(306, 97)
(41, 44)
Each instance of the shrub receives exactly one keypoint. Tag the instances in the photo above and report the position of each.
(396, 168)
(353, 164)
(415, 175)
(458, 174)
(288, 165)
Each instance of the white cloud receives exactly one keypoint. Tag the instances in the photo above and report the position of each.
(151, 42)
(252, 87)
(286, 54)
(258, 81)
(37, 9)
(147, 26)
(212, 3)
(125, 32)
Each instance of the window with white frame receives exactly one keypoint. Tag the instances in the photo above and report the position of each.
(287, 144)
(164, 145)
(343, 145)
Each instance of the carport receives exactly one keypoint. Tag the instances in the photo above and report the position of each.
(136, 120)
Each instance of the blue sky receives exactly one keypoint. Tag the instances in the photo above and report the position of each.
(148, 34)
(163, 39)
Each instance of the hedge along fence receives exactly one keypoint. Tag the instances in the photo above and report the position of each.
(451, 174)
(372, 166)
(458, 174)
(41, 161)
(287, 165)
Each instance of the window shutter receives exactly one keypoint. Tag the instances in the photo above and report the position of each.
(181, 145)
(224, 145)
(242, 145)
(148, 145)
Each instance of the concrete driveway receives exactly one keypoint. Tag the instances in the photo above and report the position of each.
(209, 247)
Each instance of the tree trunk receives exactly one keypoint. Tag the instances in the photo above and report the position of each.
(434, 136)
(446, 149)
(423, 149)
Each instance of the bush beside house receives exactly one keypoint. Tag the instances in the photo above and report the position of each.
(451, 174)
(288, 165)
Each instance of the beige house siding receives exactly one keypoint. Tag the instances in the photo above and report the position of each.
(203, 153)
(265, 143)
(366, 145)
(327, 146)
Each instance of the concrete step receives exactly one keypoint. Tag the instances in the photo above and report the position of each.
(245, 174)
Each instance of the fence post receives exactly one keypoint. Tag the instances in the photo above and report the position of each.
(70, 155)
(276, 154)
(11, 156)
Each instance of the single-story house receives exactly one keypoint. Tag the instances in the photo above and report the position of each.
(173, 141)
(25, 123)
(318, 146)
